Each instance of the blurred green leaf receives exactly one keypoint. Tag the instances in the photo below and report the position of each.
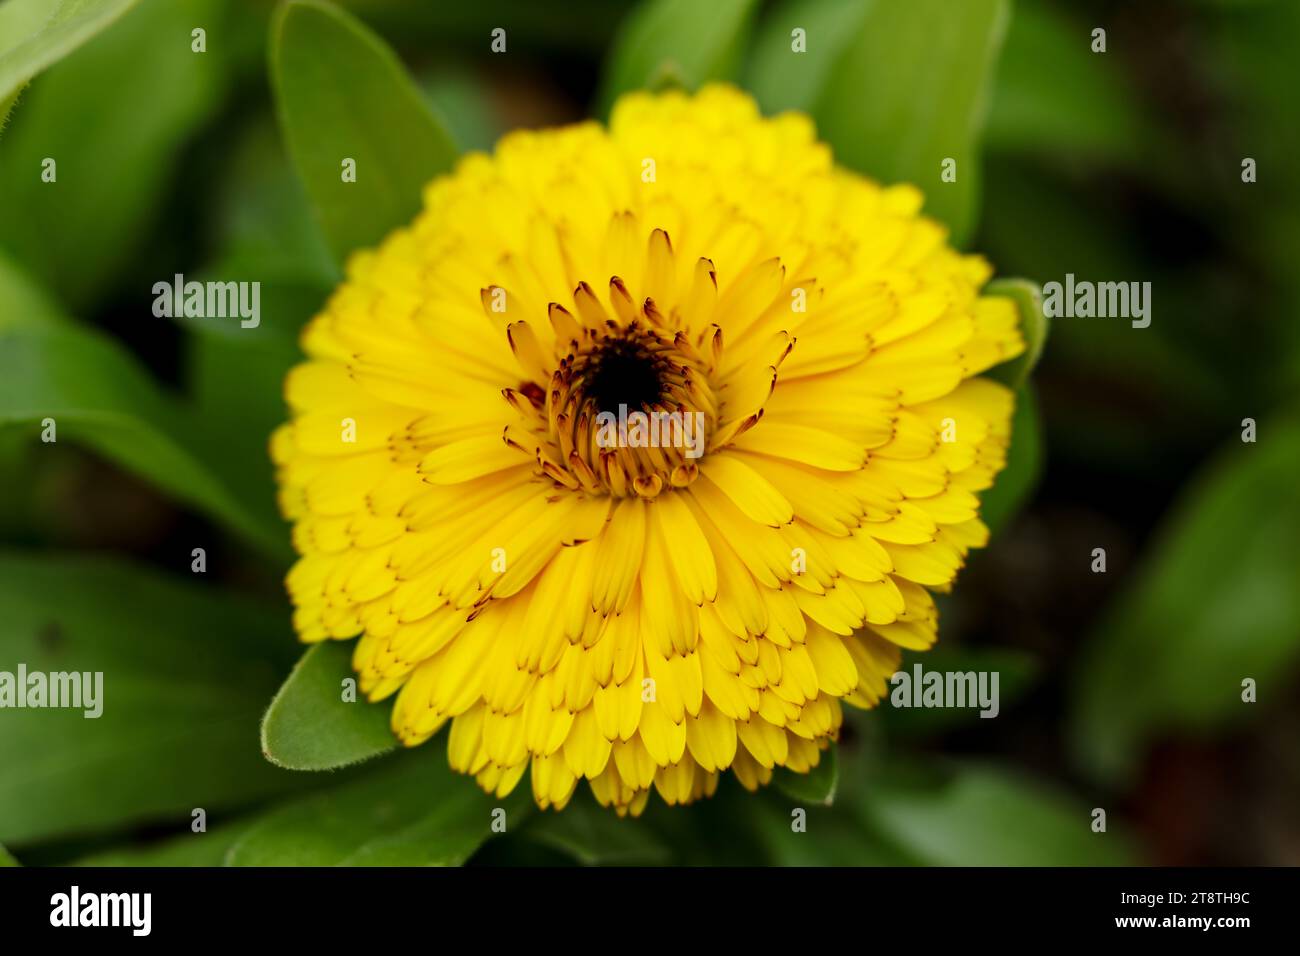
(22, 302)
(265, 233)
(6, 105)
(310, 727)
(463, 102)
(979, 815)
(186, 673)
(342, 94)
(1052, 93)
(6, 858)
(237, 386)
(114, 116)
(1016, 482)
(1016, 670)
(815, 787)
(265, 226)
(910, 91)
(678, 42)
(596, 836)
(99, 395)
(1217, 601)
(409, 810)
(575, 26)
(1034, 327)
(35, 34)
(782, 79)
(187, 849)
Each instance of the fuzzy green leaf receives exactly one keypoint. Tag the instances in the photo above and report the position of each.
(37, 33)
(309, 726)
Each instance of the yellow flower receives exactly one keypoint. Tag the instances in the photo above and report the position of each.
(576, 597)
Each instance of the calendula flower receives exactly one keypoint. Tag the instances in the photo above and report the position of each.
(489, 487)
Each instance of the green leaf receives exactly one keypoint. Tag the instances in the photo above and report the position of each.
(816, 787)
(115, 117)
(1034, 325)
(1016, 482)
(410, 810)
(910, 91)
(310, 727)
(6, 858)
(781, 78)
(265, 233)
(186, 672)
(7, 105)
(98, 395)
(22, 302)
(596, 836)
(187, 849)
(1024, 466)
(675, 42)
(342, 94)
(977, 815)
(237, 386)
(38, 33)
(1217, 601)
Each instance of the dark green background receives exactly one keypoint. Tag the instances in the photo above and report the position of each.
(1120, 690)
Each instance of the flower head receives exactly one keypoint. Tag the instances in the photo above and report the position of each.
(660, 436)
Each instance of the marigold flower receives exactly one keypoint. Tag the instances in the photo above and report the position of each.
(571, 595)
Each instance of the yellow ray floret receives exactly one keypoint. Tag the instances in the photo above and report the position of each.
(573, 597)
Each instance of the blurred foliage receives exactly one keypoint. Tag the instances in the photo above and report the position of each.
(1117, 166)
(37, 33)
(675, 43)
(342, 93)
(410, 811)
(928, 65)
(1175, 649)
(191, 668)
(87, 115)
(85, 384)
